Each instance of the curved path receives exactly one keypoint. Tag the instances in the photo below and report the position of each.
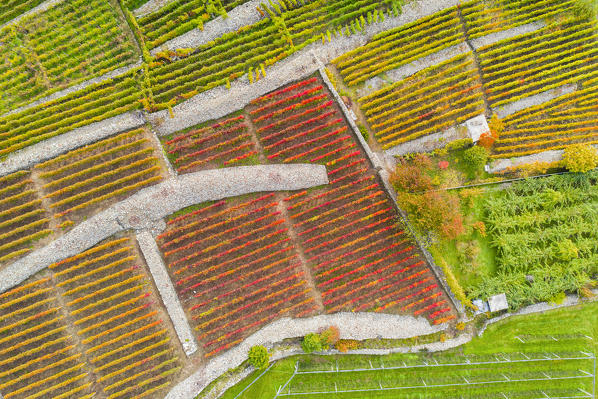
(351, 325)
(151, 204)
(357, 326)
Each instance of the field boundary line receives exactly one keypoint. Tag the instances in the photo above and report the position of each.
(175, 311)
(257, 378)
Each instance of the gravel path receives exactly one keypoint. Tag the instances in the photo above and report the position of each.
(77, 87)
(352, 326)
(534, 100)
(426, 143)
(376, 83)
(220, 101)
(157, 268)
(506, 34)
(150, 6)
(151, 204)
(40, 8)
(243, 15)
(58, 145)
(499, 165)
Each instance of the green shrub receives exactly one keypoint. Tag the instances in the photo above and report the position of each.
(475, 158)
(580, 158)
(458, 144)
(259, 357)
(364, 132)
(311, 343)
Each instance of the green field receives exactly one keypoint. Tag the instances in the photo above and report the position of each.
(534, 336)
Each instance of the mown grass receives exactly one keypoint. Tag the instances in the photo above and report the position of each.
(560, 331)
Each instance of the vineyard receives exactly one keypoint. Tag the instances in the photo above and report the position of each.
(13, 8)
(240, 263)
(23, 221)
(556, 124)
(225, 143)
(425, 103)
(393, 48)
(92, 324)
(72, 42)
(251, 49)
(95, 176)
(98, 103)
(181, 16)
(93, 104)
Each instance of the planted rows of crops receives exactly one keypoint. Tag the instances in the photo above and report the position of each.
(180, 16)
(67, 189)
(354, 244)
(544, 229)
(13, 8)
(253, 48)
(428, 102)
(530, 64)
(240, 263)
(92, 325)
(486, 17)
(94, 176)
(396, 47)
(23, 220)
(226, 143)
(93, 104)
(569, 119)
(71, 42)
(235, 269)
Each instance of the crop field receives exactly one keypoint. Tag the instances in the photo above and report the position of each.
(98, 104)
(181, 16)
(566, 120)
(561, 52)
(251, 49)
(251, 253)
(95, 103)
(23, 220)
(425, 103)
(544, 229)
(91, 325)
(13, 8)
(556, 364)
(95, 176)
(74, 41)
(393, 48)
(225, 143)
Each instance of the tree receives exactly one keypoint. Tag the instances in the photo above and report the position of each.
(476, 158)
(580, 158)
(259, 357)
(311, 343)
(330, 336)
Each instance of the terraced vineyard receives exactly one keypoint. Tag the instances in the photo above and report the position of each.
(539, 61)
(23, 220)
(428, 102)
(396, 47)
(69, 43)
(181, 16)
(93, 177)
(136, 304)
(13, 8)
(251, 49)
(569, 119)
(91, 325)
(226, 143)
(95, 103)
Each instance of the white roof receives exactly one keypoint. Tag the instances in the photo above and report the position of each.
(498, 303)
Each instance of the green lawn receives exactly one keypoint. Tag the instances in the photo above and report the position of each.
(541, 333)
